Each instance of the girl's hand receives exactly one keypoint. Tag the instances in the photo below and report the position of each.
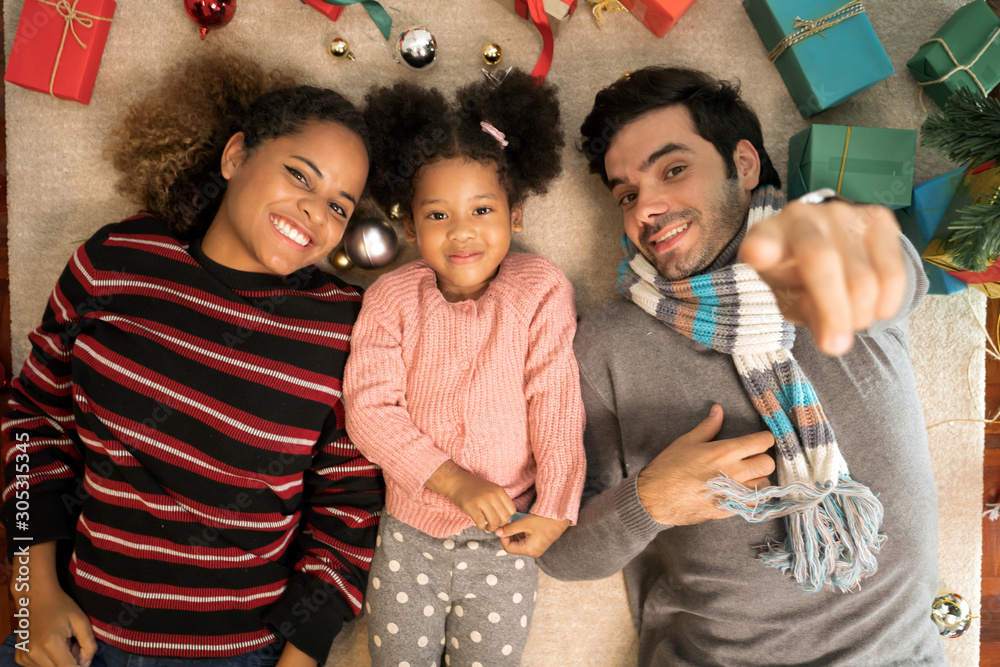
(532, 535)
(55, 622)
(485, 502)
(293, 657)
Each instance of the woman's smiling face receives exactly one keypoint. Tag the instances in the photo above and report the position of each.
(288, 200)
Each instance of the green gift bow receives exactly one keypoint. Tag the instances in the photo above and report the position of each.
(374, 9)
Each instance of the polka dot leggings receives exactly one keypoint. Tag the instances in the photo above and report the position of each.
(463, 599)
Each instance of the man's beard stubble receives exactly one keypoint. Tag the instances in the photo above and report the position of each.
(726, 215)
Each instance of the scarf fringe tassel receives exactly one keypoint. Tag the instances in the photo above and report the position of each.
(832, 530)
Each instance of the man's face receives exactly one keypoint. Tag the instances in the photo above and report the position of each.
(680, 207)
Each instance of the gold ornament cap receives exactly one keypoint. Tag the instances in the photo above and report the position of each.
(394, 212)
(492, 54)
(340, 48)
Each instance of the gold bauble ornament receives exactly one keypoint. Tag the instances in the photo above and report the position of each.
(394, 212)
(340, 260)
(492, 54)
(340, 48)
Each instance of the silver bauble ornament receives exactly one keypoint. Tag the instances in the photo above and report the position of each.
(951, 614)
(417, 47)
(370, 243)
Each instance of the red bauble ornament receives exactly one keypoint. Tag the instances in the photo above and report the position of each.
(210, 14)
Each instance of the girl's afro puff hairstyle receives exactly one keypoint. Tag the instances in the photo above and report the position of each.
(412, 126)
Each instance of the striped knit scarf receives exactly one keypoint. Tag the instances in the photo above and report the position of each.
(832, 522)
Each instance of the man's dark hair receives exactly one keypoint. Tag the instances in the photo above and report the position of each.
(720, 116)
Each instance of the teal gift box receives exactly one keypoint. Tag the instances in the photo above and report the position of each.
(963, 53)
(920, 220)
(863, 164)
(825, 50)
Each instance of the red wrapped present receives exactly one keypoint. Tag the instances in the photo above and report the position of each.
(332, 11)
(658, 15)
(58, 46)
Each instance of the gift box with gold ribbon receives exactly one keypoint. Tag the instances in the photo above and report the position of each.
(825, 50)
(658, 15)
(979, 186)
(548, 16)
(58, 46)
(557, 11)
(963, 53)
(863, 164)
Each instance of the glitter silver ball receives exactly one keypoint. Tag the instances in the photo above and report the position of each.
(951, 614)
(370, 243)
(417, 47)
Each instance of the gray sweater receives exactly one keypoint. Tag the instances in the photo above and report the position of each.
(698, 596)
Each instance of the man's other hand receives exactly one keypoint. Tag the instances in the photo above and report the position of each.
(672, 487)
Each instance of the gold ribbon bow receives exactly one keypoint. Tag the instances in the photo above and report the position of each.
(71, 16)
(807, 29)
(600, 7)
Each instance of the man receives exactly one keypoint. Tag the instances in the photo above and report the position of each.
(684, 157)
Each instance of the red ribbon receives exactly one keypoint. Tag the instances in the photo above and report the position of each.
(541, 20)
(988, 275)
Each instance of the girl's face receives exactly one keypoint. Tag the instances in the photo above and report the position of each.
(288, 200)
(462, 225)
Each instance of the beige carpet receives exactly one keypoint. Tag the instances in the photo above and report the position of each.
(61, 190)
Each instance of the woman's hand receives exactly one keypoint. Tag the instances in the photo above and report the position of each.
(293, 657)
(61, 634)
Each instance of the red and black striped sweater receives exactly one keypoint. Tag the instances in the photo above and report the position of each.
(182, 423)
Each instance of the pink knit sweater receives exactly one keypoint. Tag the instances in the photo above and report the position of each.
(491, 384)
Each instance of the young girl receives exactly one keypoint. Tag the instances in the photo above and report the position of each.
(178, 424)
(462, 383)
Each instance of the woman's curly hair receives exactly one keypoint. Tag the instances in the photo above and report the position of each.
(168, 146)
(413, 126)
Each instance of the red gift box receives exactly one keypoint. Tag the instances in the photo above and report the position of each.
(58, 46)
(658, 15)
(332, 11)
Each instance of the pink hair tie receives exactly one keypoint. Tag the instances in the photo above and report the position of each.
(493, 132)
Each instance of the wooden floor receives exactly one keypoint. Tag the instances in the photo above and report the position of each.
(990, 605)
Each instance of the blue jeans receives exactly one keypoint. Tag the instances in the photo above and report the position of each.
(109, 656)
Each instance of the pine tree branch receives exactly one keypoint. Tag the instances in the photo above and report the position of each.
(976, 235)
(967, 129)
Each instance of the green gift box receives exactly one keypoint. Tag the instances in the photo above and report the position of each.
(825, 50)
(863, 164)
(972, 38)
